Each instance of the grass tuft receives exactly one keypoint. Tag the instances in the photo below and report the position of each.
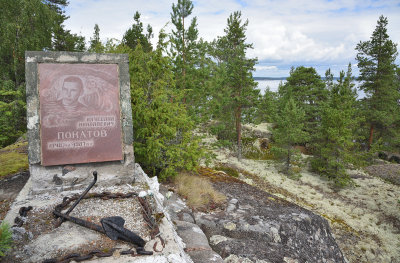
(199, 192)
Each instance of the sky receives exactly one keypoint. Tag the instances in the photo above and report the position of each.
(313, 33)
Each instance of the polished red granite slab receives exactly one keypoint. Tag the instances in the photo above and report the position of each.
(79, 113)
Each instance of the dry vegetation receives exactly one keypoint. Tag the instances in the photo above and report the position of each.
(199, 192)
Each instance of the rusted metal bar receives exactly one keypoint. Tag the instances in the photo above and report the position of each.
(80, 222)
(83, 194)
(60, 221)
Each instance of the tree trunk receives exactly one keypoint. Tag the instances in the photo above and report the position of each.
(288, 161)
(371, 134)
(183, 55)
(15, 58)
(239, 131)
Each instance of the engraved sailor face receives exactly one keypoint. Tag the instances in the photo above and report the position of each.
(71, 90)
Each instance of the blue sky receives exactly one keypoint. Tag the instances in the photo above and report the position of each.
(318, 33)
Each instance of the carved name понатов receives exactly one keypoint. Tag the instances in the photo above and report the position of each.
(79, 113)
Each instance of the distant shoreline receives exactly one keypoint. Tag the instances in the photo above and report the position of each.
(269, 78)
(283, 78)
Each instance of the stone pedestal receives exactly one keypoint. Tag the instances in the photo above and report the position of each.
(79, 120)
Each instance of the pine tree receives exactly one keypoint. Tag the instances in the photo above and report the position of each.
(396, 140)
(24, 25)
(267, 107)
(308, 90)
(238, 86)
(376, 62)
(63, 39)
(201, 83)
(183, 43)
(95, 42)
(134, 35)
(336, 135)
(289, 129)
(163, 138)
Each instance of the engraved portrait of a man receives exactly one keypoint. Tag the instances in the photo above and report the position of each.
(71, 90)
(79, 112)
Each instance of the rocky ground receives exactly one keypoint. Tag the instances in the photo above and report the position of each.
(365, 218)
(9, 189)
(252, 226)
(38, 238)
(389, 172)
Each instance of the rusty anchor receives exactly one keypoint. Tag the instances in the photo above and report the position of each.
(112, 226)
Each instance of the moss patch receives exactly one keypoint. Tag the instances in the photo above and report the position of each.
(341, 223)
(217, 176)
(228, 170)
(13, 159)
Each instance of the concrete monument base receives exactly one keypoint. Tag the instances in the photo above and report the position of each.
(38, 239)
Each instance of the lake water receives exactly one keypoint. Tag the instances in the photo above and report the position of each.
(274, 84)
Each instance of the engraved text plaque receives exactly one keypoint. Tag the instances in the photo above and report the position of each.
(79, 113)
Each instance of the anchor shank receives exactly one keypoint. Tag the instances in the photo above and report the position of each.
(80, 222)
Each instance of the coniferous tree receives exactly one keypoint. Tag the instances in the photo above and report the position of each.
(95, 42)
(238, 86)
(336, 135)
(376, 62)
(396, 140)
(289, 129)
(192, 62)
(267, 107)
(202, 83)
(163, 138)
(308, 90)
(63, 39)
(24, 25)
(183, 43)
(134, 35)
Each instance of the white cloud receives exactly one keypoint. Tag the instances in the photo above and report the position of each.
(259, 67)
(283, 32)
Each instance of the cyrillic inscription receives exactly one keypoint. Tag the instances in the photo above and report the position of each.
(80, 114)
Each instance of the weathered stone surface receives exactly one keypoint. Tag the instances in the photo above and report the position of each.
(48, 242)
(263, 130)
(192, 236)
(205, 256)
(388, 156)
(236, 259)
(121, 171)
(388, 172)
(256, 228)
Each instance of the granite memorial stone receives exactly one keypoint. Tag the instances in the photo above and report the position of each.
(79, 116)
(79, 113)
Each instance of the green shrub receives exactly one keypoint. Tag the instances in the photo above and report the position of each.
(252, 152)
(5, 238)
(338, 176)
(163, 139)
(295, 163)
(12, 112)
(222, 144)
(222, 131)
